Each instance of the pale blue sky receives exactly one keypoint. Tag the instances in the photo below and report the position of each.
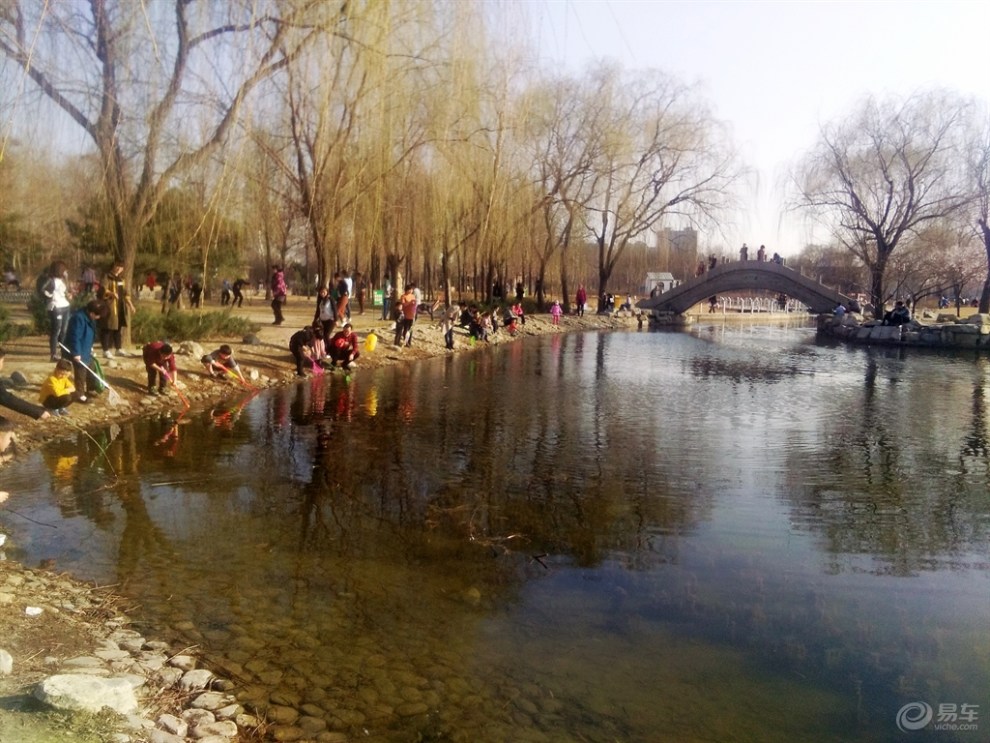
(776, 70)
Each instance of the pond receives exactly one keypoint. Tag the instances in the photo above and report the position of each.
(736, 533)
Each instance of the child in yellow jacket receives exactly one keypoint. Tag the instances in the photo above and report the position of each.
(56, 390)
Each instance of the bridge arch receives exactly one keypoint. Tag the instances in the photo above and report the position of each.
(746, 276)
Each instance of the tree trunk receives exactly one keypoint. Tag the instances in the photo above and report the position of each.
(985, 294)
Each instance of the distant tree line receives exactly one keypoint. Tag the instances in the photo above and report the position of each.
(421, 141)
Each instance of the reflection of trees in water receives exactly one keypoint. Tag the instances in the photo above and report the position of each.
(975, 451)
(497, 462)
(81, 476)
(753, 369)
(881, 487)
(104, 477)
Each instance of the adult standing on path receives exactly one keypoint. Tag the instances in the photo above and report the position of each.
(79, 339)
(362, 291)
(326, 312)
(56, 291)
(279, 291)
(408, 305)
(118, 307)
(388, 292)
(343, 285)
(581, 299)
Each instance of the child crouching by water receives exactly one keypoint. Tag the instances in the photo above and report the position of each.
(343, 347)
(221, 362)
(56, 390)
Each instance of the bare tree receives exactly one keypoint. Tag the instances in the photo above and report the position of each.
(561, 136)
(662, 155)
(882, 174)
(129, 74)
(944, 258)
(979, 169)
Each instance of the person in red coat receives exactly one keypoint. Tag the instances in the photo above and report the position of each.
(581, 300)
(159, 362)
(343, 347)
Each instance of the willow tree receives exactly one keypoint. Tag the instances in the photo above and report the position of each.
(882, 174)
(352, 115)
(661, 155)
(132, 75)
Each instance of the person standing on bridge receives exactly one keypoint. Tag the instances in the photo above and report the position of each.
(712, 262)
(744, 253)
(761, 254)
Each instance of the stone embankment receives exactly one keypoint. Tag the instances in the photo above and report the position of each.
(946, 331)
(158, 695)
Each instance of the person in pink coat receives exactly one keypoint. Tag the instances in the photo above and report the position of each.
(555, 313)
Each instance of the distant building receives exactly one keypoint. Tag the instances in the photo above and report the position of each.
(677, 251)
(662, 281)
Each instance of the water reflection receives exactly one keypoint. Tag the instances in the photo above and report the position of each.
(643, 537)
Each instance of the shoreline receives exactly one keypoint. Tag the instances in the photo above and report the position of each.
(268, 362)
(79, 619)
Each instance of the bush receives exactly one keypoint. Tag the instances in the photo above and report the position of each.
(147, 326)
(37, 308)
(8, 330)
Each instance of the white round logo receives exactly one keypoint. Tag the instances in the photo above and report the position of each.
(913, 716)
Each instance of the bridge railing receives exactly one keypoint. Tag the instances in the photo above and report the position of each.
(758, 304)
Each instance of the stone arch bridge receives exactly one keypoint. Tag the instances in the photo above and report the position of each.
(743, 276)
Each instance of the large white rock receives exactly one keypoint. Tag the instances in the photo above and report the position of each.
(87, 693)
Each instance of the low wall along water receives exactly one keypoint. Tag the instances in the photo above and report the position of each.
(947, 331)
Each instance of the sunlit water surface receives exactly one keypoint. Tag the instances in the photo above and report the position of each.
(732, 534)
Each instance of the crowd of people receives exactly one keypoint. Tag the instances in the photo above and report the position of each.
(79, 337)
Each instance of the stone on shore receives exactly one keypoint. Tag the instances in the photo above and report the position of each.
(80, 692)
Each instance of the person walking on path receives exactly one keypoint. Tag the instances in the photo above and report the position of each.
(279, 291)
(57, 294)
(238, 290)
(79, 339)
(581, 299)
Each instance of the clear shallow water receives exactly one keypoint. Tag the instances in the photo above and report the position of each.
(733, 534)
